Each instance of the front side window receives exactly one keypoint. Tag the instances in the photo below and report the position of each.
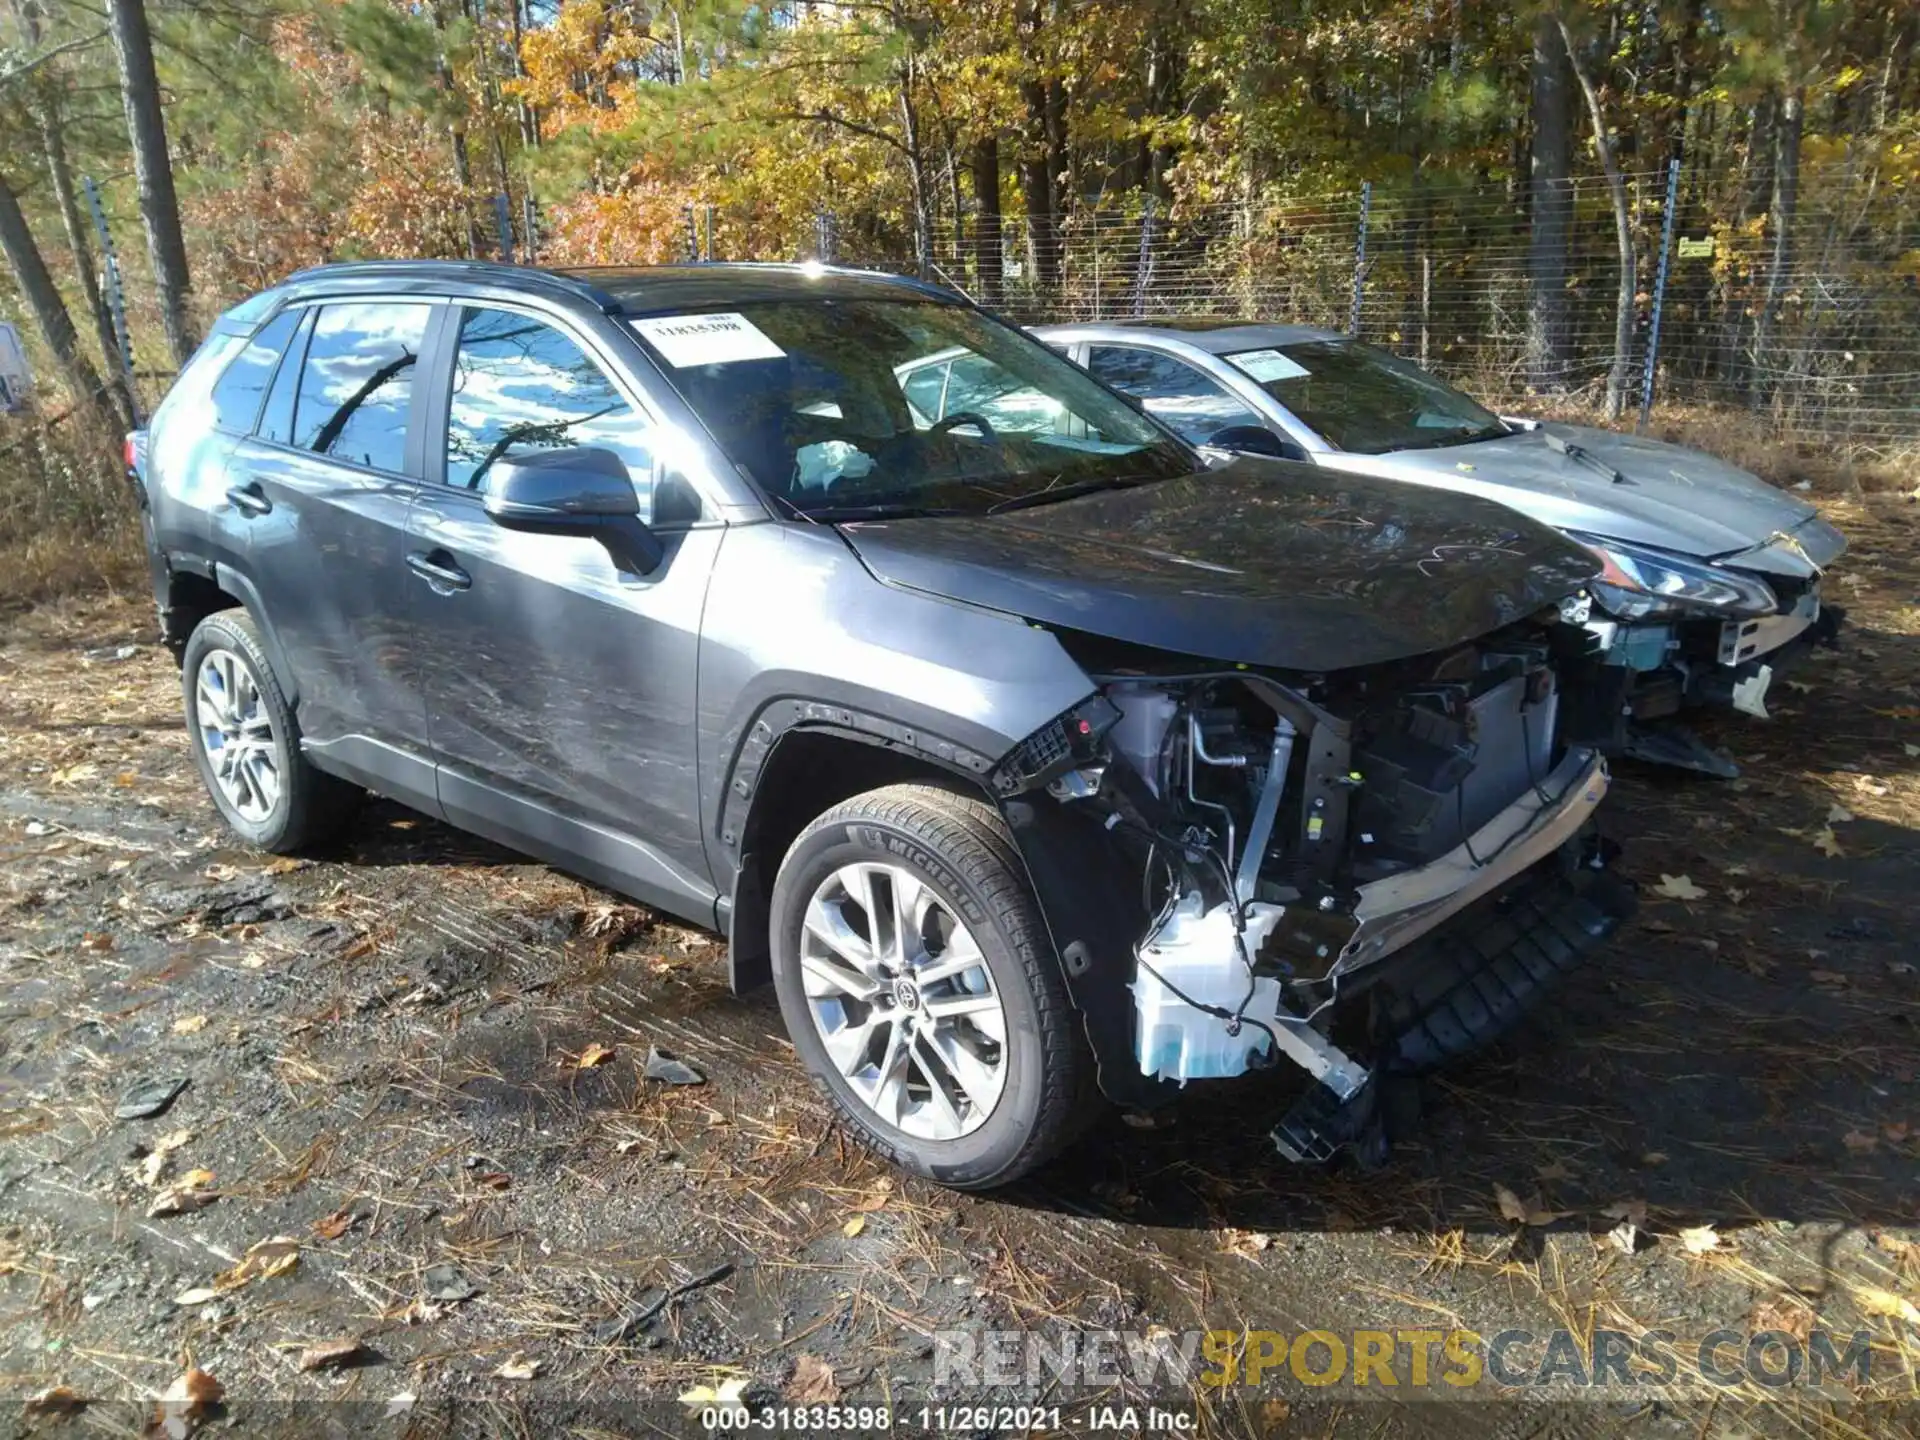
(357, 384)
(1179, 396)
(521, 386)
(1365, 400)
(237, 395)
(900, 405)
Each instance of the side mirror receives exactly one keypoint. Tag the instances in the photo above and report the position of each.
(580, 491)
(1255, 440)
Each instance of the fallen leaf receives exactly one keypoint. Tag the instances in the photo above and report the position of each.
(56, 1400)
(1633, 1212)
(199, 1295)
(1896, 1131)
(184, 1196)
(1782, 1312)
(627, 1147)
(1678, 887)
(1886, 1302)
(1556, 1171)
(1624, 1237)
(1274, 1414)
(813, 1382)
(97, 940)
(185, 1402)
(854, 1226)
(190, 1025)
(1699, 1239)
(518, 1366)
(1825, 842)
(400, 1404)
(1837, 815)
(595, 1054)
(1245, 1242)
(74, 774)
(875, 1198)
(1525, 1212)
(1871, 786)
(263, 1260)
(447, 1285)
(494, 1180)
(726, 1394)
(1827, 977)
(330, 1354)
(1859, 1142)
(333, 1226)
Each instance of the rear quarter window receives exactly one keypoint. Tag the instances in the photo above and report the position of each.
(238, 392)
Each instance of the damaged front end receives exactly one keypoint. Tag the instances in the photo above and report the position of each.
(1366, 872)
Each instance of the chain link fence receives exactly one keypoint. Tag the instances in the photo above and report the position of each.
(1820, 337)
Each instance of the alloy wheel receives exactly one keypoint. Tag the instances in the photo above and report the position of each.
(236, 731)
(903, 1001)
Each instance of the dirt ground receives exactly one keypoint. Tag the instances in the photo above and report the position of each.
(388, 1055)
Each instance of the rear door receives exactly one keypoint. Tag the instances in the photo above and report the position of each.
(323, 487)
(560, 688)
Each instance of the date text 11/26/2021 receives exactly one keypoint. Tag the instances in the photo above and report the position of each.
(945, 1419)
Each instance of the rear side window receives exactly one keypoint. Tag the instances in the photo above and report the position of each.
(357, 383)
(236, 398)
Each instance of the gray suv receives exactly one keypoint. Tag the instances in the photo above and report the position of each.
(1028, 760)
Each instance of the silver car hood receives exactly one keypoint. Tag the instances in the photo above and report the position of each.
(1670, 497)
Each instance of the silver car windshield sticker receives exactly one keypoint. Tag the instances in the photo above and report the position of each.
(686, 340)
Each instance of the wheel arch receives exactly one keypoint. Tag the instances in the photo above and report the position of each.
(196, 589)
(796, 775)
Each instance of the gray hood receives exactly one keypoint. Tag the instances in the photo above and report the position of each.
(1669, 497)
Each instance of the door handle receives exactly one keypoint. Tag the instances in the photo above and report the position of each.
(249, 499)
(436, 567)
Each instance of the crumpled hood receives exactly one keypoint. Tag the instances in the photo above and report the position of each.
(1673, 498)
(1263, 562)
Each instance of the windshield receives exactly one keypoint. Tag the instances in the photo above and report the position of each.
(838, 406)
(1365, 400)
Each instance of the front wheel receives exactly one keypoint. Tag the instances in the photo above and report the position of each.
(915, 978)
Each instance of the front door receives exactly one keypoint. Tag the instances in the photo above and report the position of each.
(325, 482)
(560, 689)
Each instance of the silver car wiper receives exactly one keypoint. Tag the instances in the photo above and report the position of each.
(1559, 444)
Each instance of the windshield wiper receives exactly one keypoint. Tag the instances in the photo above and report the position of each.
(878, 510)
(1046, 494)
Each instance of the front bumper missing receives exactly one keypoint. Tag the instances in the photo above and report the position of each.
(1398, 910)
(1469, 982)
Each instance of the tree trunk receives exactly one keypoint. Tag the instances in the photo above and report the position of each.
(42, 298)
(988, 263)
(1786, 203)
(1039, 154)
(916, 175)
(1550, 198)
(159, 206)
(61, 174)
(1623, 232)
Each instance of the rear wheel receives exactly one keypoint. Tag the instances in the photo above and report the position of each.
(247, 743)
(914, 977)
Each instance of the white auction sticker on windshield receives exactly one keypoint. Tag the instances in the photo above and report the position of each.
(686, 340)
(1265, 365)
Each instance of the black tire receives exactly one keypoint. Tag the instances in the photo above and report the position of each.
(311, 806)
(960, 847)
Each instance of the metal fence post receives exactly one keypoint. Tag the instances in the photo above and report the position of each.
(1360, 258)
(1652, 363)
(503, 218)
(1143, 275)
(709, 246)
(116, 291)
(693, 234)
(823, 236)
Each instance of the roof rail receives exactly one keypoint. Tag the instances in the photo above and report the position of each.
(521, 276)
